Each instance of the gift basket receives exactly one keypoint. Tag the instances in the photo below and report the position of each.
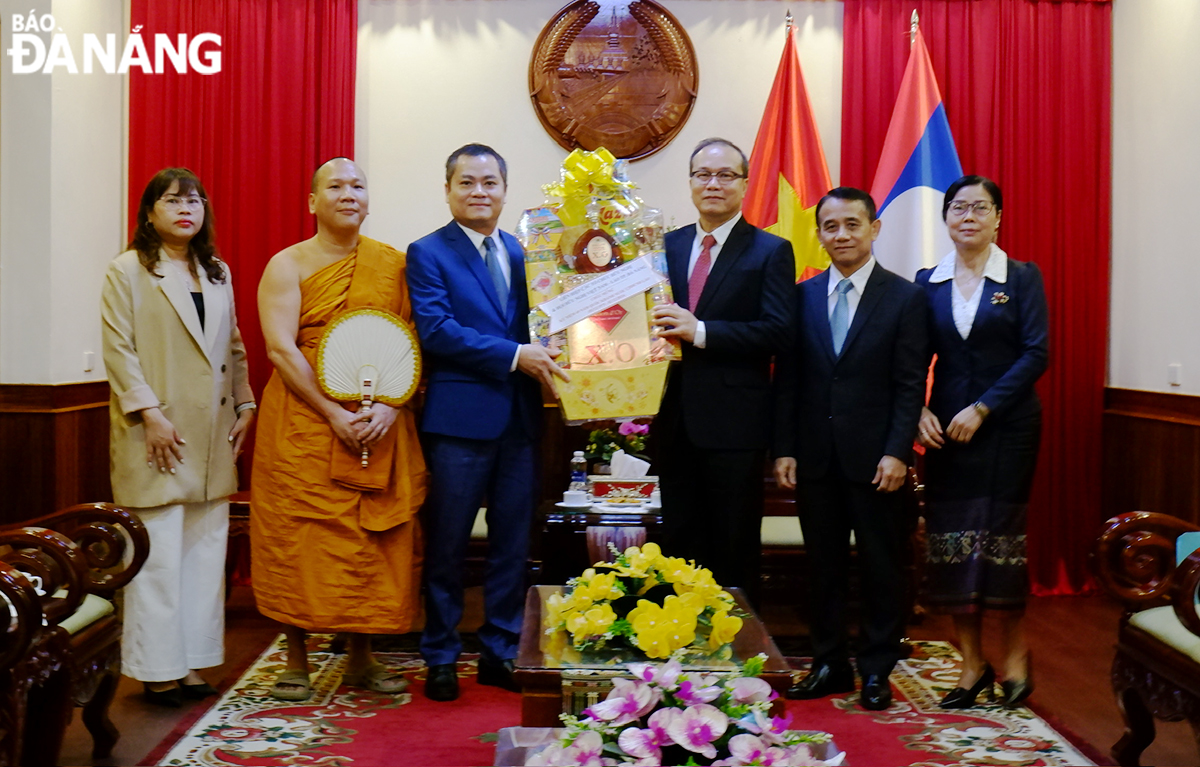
(595, 269)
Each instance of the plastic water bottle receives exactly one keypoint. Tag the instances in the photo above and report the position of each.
(578, 472)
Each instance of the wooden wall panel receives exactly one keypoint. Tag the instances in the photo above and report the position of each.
(53, 447)
(1151, 453)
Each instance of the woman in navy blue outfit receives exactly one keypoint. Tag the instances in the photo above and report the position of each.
(988, 328)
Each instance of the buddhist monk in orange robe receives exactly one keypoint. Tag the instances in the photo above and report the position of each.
(333, 549)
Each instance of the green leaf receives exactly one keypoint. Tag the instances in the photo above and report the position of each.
(754, 666)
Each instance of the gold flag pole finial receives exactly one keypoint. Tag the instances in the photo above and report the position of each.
(788, 18)
(912, 30)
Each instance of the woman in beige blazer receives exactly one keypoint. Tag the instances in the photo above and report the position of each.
(180, 409)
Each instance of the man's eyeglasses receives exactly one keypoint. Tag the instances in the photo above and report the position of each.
(173, 202)
(724, 177)
(980, 208)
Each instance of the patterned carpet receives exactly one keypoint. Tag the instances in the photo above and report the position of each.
(343, 726)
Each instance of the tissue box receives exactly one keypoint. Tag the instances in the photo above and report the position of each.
(606, 489)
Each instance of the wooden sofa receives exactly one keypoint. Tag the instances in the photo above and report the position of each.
(58, 576)
(1156, 670)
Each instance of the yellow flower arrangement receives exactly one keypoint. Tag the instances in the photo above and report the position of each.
(659, 605)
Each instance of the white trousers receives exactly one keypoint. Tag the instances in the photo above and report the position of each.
(175, 607)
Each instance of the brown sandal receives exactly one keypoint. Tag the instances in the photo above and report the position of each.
(292, 685)
(377, 678)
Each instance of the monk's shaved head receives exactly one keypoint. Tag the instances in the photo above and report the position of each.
(327, 167)
(339, 196)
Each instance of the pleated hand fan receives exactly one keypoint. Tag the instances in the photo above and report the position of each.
(368, 355)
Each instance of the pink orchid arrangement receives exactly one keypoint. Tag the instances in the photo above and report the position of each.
(667, 716)
(628, 436)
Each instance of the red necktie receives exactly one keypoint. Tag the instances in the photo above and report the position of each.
(700, 271)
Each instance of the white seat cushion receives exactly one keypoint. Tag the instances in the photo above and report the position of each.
(479, 529)
(785, 531)
(782, 531)
(1162, 624)
(92, 609)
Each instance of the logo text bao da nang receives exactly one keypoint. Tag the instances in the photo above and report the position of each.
(32, 51)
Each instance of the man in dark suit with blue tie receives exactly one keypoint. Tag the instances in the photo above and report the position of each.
(847, 402)
(481, 419)
(733, 312)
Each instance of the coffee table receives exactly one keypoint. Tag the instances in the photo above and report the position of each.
(542, 677)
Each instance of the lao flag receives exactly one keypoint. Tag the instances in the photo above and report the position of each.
(917, 165)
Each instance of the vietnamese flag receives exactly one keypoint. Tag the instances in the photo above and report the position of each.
(788, 174)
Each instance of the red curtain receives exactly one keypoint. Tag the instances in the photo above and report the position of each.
(1027, 88)
(254, 132)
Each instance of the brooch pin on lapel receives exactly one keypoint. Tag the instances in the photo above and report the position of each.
(999, 297)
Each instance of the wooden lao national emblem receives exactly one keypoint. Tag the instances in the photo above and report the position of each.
(615, 74)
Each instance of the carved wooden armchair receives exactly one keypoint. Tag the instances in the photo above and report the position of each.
(1156, 671)
(58, 575)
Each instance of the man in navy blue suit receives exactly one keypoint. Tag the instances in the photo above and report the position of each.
(733, 312)
(481, 419)
(848, 400)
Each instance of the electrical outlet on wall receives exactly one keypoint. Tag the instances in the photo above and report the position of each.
(1175, 374)
(89, 361)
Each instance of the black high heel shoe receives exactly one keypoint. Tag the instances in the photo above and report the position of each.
(1016, 691)
(960, 697)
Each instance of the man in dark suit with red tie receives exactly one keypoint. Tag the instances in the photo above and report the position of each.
(733, 289)
(848, 399)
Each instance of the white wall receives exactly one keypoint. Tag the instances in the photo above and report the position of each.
(434, 75)
(62, 188)
(1155, 316)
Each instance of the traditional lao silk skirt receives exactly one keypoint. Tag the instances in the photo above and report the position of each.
(977, 499)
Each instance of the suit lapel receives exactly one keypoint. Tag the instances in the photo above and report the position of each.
(943, 312)
(677, 263)
(987, 312)
(171, 284)
(818, 313)
(731, 251)
(516, 271)
(872, 293)
(473, 263)
(215, 307)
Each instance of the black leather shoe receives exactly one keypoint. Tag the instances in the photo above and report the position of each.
(823, 680)
(497, 673)
(171, 698)
(441, 682)
(961, 697)
(876, 693)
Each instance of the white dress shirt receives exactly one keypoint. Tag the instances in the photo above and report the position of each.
(858, 281)
(720, 234)
(477, 240)
(962, 307)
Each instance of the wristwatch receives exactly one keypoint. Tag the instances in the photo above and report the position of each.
(981, 408)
